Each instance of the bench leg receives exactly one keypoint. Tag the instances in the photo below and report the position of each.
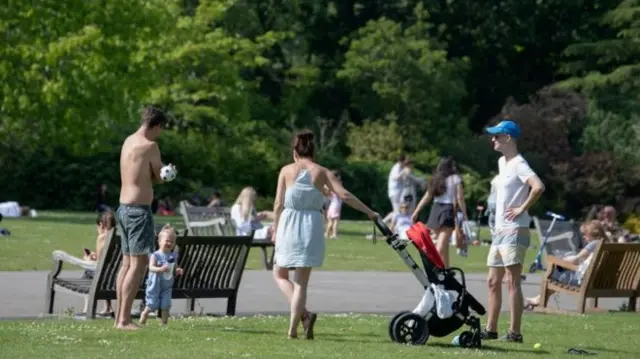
(231, 305)
(191, 305)
(273, 254)
(93, 308)
(49, 296)
(265, 262)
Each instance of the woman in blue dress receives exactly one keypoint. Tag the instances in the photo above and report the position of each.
(299, 226)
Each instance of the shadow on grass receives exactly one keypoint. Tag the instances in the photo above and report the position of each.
(598, 349)
(493, 348)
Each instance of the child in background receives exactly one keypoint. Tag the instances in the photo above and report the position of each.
(402, 221)
(333, 213)
(461, 243)
(162, 265)
(105, 222)
(593, 233)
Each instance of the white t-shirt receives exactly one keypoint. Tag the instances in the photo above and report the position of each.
(512, 190)
(243, 226)
(403, 223)
(448, 196)
(492, 193)
(394, 186)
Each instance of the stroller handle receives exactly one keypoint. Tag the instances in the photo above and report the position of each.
(384, 229)
(555, 215)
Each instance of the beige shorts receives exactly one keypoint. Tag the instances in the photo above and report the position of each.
(506, 255)
(508, 247)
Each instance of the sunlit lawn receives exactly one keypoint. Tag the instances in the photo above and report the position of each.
(33, 239)
(337, 336)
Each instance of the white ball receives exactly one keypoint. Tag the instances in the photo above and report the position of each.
(168, 173)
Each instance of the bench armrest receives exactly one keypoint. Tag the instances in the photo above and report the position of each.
(62, 256)
(558, 262)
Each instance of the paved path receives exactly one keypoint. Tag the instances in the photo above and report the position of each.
(22, 294)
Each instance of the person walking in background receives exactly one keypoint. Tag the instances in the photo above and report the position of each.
(394, 186)
(445, 188)
(517, 189)
(409, 183)
(298, 224)
(333, 211)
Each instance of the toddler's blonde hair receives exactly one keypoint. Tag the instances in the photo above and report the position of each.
(167, 228)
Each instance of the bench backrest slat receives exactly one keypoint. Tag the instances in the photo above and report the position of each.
(614, 266)
(212, 262)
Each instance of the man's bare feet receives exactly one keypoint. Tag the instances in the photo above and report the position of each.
(130, 326)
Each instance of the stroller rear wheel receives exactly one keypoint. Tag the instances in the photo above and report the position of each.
(410, 328)
(392, 324)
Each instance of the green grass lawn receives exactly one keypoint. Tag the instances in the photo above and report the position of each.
(337, 336)
(33, 239)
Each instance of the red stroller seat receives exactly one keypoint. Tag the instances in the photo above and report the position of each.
(419, 234)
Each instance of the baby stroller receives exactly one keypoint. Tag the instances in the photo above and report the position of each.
(409, 327)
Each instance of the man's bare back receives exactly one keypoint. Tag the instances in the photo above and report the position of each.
(138, 157)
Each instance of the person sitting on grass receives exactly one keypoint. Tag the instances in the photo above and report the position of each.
(105, 222)
(162, 265)
(593, 233)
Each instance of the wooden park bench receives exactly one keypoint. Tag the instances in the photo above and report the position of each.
(205, 221)
(213, 268)
(614, 272)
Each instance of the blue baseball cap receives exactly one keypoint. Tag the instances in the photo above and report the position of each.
(506, 127)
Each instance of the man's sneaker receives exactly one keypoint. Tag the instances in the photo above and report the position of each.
(512, 337)
(487, 335)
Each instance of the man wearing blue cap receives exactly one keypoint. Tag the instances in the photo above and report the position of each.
(517, 189)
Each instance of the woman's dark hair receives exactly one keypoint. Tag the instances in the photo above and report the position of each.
(303, 144)
(438, 183)
(107, 218)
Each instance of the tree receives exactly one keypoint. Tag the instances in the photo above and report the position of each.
(401, 71)
(608, 68)
(71, 74)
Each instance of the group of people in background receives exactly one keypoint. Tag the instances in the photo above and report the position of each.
(306, 211)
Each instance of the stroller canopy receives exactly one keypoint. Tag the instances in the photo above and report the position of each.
(419, 234)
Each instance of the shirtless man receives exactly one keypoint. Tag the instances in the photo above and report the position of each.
(140, 166)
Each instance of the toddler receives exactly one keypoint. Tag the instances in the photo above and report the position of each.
(333, 213)
(401, 221)
(162, 265)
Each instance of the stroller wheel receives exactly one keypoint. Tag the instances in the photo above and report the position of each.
(467, 340)
(392, 324)
(410, 328)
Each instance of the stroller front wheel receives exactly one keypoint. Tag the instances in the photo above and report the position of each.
(410, 328)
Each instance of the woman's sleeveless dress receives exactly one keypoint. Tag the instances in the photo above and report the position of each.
(300, 233)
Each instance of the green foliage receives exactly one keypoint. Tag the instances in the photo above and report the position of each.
(614, 133)
(375, 141)
(71, 74)
(611, 62)
(398, 70)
